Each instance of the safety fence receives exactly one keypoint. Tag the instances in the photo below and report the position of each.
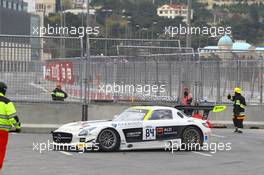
(23, 60)
(165, 80)
(32, 66)
(142, 81)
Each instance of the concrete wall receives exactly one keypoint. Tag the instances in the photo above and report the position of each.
(60, 113)
(253, 113)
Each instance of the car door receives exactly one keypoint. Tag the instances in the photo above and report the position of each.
(161, 125)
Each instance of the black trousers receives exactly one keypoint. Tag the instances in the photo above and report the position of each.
(238, 121)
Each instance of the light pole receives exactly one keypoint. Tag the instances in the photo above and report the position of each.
(137, 32)
(63, 24)
(128, 19)
(188, 38)
(128, 27)
(144, 29)
(128, 30)
(152, 31)
(107, 11)
(261, 80)
(87, 59)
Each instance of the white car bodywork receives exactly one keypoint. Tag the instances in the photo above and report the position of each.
(132, 133)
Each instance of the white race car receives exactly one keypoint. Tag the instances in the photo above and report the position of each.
(139, 127)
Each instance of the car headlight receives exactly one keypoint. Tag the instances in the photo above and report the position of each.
(85, 132)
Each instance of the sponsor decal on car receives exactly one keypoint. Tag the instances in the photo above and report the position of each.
(130, 124)
(123, 142)
(169, 131)
(205, 138)
(114, 125)
(133, 134)
(160, 131)
(165, 131)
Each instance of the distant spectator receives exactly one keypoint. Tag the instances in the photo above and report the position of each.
(186, 100)
(58, 94)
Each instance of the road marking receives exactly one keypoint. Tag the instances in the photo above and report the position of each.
(66, 153)
(215, 135)
(39, 87)
(207, 155)
(47, 91)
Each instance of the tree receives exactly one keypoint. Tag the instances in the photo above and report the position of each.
(66, 4)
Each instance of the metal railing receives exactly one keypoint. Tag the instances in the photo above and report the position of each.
(31, 67)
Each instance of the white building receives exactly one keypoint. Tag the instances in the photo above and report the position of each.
(174, 10)
(45, 6)
(228, 49)
(79, 3)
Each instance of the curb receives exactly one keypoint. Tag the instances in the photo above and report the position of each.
(48, 128)
(39, 128)
(229, 124)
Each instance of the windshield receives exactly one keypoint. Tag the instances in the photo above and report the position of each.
(132, 115)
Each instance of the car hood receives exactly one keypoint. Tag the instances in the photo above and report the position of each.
(80, 125)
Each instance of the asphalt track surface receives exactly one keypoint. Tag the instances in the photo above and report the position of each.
(245, 157)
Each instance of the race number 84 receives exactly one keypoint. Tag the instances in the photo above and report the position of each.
(149, 133)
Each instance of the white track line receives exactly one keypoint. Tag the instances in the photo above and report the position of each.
(215, 135)
(207, 155)
(66, 153)
(47, 91)
(39, 87)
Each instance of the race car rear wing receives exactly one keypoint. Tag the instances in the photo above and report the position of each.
(206, 109)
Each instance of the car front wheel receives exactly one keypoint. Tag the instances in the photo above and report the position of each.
(108, 140)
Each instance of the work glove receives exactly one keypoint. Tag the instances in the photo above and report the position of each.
(229, 97)
(18, 130)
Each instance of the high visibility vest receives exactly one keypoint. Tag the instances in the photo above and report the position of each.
(58, 94)
(237, 102)
(185, 99)
(8, 117)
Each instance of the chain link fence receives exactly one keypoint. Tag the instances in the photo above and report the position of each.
(208, 81)
(24, 61)
(135, 71)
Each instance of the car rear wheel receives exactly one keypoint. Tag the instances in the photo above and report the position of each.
(192, 138)
(108, 140)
